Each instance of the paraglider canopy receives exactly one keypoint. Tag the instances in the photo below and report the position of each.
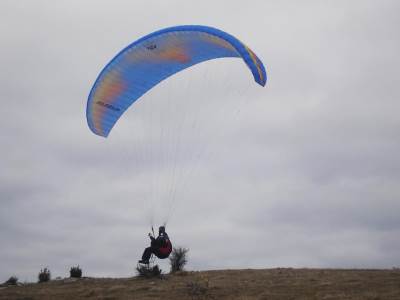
(153, 58)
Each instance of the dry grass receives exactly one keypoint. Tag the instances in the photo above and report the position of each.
(267, 284)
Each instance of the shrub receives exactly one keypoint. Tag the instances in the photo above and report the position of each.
(178, 259)
(147, 271)
(199, 289)
(75, 272)
(13, 280)
(44, 275)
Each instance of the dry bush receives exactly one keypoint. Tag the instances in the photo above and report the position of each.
(178, 259)
(75, 272)
(147, 271)
(199, 289)
(44, 275)
(13, 280)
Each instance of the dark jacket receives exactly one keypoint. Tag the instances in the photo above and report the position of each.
(161, 245)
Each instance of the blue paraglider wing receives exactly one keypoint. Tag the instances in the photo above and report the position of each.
(153, 58)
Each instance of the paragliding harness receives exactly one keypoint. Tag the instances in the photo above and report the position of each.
(161, 247)
(164, 250)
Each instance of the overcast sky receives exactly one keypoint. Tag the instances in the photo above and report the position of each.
(302, 173)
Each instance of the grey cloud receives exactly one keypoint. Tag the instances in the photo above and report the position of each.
(305, 169)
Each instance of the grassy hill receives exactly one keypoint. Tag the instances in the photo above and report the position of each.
(267, 284)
